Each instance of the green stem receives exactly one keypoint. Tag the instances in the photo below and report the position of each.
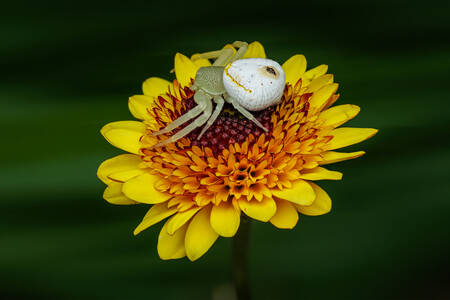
(240, 260)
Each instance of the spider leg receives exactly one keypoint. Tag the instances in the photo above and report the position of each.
(244, 112)
(227, 58)
(243, 47)
(225, 55)
(221, 56)
(191, 114)
(181, 120)
(210, 54)
(203, 100)
(224, 58)
(219, 101)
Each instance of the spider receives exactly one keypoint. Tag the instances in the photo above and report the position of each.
(251, 84)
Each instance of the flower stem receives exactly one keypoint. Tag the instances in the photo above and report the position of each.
(240, 260)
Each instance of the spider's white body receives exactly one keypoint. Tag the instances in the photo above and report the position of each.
(256, 83)
(250, 84)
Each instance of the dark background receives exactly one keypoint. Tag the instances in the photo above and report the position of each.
(68, 69)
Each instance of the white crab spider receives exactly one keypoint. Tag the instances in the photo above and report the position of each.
(250, 84)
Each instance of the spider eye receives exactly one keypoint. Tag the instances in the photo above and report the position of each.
(269, 72)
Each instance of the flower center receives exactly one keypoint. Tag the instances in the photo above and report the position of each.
(230, 127)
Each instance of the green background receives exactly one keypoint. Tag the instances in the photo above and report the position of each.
(68, 69)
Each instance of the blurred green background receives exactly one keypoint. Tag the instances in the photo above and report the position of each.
(68, 69)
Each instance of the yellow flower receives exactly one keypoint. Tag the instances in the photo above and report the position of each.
(203, 186)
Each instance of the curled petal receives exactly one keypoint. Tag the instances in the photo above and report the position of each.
(319, 82)
(142, 189)
(321, 205)
(286, 216)
(155, 214)
(113, 194)
(258, 210)
(180, 219)
(124, 135)
(331, 157)
(120, 168)
(314, 73)
(301, 193)
(320, 174)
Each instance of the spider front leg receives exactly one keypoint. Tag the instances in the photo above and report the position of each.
(244, 112)
(225, 55)
(219, 105)
(182, 119)
(211, 54)
(204, 101)
(243, 47)
(221, 56)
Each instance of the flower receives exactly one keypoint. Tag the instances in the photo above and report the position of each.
(203, 186)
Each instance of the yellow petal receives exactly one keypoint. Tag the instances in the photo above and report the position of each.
(113, 194)
(314, 73)
(300, 193)
(142, 189)
(320, 97)
(321, 205)
(200, 236)
(180, 219)
(346, 136)
(172, 246)
(320, 174)
(185, 69)
(338, 115)
(255, 50)
(124, 135)
(120, 168)
(126, 175)
(331, 157)
(261, 211)
(319, 82)
(229, 46)
(286, 216)
(225, 219)
(294, 68)
(155, 214)
(154, 86)
(203, 62)
(139, 106)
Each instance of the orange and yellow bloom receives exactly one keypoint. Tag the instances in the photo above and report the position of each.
(201, 187)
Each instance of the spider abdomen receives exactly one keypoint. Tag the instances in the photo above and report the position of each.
(256, 83)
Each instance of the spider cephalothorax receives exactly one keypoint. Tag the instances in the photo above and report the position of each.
(251, 84)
